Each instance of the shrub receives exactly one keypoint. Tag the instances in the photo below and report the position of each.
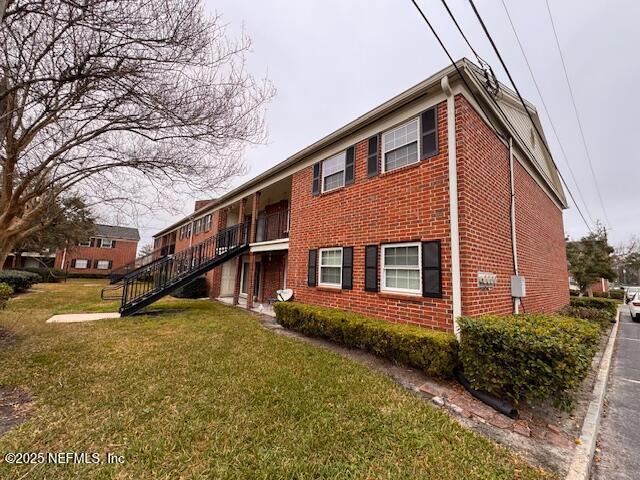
(603, 318)
(574, 293)
(19, 280)
(196, 289)
(47, 275)
(600, 303)
(613, 294)
(533, 357)
(5, 293)
(432, 351)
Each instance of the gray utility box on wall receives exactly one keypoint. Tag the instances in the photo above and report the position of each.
(518, 287)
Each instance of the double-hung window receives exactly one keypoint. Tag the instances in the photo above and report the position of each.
(196, 226)
(103, 264)
(85, 244)
(333, 171)
(81, 263)
(331, 267)
(401, 268)
(207, 223)
(106, 243)
(400, 146)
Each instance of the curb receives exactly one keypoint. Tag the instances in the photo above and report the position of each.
(581, 465)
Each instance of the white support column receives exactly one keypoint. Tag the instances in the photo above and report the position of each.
(456, 288)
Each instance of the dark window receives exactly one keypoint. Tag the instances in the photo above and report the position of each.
(315, 186)
(429, 133)
(371, 268)
(349, 166)
(431, 269)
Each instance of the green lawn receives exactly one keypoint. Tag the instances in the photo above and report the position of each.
(203, 391)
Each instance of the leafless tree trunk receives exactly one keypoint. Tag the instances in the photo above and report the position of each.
(114, 100)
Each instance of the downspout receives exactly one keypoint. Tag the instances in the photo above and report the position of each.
(514, 246)
(456, 289)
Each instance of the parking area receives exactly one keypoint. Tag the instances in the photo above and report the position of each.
(619, 439)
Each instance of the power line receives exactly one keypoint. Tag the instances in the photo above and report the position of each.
(533, 123)
(553, 127)
(575, 110)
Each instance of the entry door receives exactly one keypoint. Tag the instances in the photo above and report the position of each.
(244, 280)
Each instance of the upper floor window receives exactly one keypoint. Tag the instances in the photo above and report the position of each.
(207, 223)
(188, 230)
(85, 244)
(400, 146)
(333, 171)
(106, 243)
(197, 226)
(401, 268)
(331, 267)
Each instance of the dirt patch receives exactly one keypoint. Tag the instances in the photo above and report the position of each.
(15, 406)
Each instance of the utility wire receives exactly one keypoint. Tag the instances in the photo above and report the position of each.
(575, 110)
(553, 127)
(535, 126)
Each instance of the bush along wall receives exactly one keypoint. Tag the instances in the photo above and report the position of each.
(5, 293)
(434, 352)
(610, 306)
(533, 357)
(602, 318)
(19, 280)
(47, 275)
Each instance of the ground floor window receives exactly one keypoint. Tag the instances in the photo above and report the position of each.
(331, 267)
(81, 263)
(103, 264)
(401, 268)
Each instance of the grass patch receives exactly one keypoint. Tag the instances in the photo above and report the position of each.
(208, 393)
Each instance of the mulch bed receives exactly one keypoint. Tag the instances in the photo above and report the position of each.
(15, 405)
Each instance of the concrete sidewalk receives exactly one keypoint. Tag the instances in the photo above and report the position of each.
(619, 438)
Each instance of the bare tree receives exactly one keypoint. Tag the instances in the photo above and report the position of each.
(105, 99)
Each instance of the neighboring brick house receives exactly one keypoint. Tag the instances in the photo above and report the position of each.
(418, 211)
(109, 248)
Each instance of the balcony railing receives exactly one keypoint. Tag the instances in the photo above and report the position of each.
(274, 226)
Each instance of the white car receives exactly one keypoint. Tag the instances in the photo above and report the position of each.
(629, 293)
(634, 307)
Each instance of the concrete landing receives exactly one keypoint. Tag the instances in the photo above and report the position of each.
(82, 317)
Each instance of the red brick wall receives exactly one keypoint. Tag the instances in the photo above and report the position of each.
(214, 277)
(273, 272)
(123, 253)
(485, 231)
(407, 204)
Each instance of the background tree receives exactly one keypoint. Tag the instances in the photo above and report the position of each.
(145, 250)
(115, 101)
(590, 259)
(627, 261)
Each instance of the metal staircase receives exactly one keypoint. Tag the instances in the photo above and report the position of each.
(149, 283)
(156, 255)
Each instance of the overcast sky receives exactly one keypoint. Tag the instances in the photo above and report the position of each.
(333, 60)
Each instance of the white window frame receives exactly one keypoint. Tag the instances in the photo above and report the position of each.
(86, 263)
(320, 252)
(103, 240)
(383, 273)
(197, 226)
(384, 152)
(207, 223)
(343, 153)
(85, 244)
(103, 262)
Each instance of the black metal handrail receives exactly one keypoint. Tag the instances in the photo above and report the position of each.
(273, 226)
(117, 273)
(170, 270)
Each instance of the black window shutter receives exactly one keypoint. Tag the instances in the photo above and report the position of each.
(95, 264)
(92, 242)
(371, 268)
(110, 264)
(73, 263)
(113, 244)
(349, 166)
(429, 133)
(312, 268)
(372, 157)
(347, 268)
(315, 186)
(431, 269)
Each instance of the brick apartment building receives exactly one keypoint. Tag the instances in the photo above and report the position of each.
(420, 210)
(109, 248)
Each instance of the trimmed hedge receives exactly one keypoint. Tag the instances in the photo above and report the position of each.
(616, 294)
(603, 318)
(196, 289)
(5, 293)
(19, 280)
(434, 352)
(534, 357)
(47, 275)
(592, 302)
